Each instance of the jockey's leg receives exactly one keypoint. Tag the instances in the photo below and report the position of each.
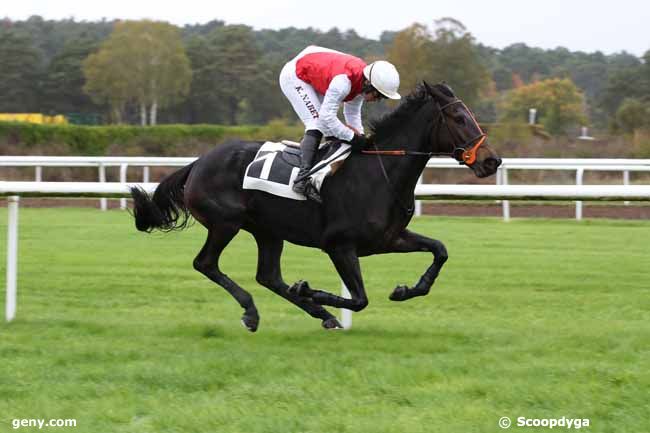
(308, 148)
(306, 102)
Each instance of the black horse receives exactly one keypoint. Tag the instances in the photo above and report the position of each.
(366, 206)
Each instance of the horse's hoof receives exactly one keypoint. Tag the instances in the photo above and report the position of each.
(250, 322)
(300, 288)
(399, 294)
(331, 324)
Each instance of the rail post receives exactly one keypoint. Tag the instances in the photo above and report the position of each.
(103, 203)
(123, 168)
(579, 176)
(346, 315)
(12, 257)
(505, 204)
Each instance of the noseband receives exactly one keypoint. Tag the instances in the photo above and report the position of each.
(464, 153)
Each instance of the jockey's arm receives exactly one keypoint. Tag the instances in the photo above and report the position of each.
(352, 114)
(337, 91)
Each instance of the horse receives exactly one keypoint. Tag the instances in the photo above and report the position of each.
(367, 204)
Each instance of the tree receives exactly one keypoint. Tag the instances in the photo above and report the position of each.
(20, 72)
(63, 81)
(559, 104)
(410, 52)
(202, 104)
(633, 114)
(448, 53)
(143, 62)
(625, 83)
(235, 67)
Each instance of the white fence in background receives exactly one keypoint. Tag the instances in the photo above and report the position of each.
(579, 166)
(101, 162)
(13, 190)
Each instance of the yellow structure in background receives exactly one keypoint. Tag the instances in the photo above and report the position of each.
(34, 118)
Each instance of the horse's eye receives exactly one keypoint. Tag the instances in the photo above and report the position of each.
(460, 120)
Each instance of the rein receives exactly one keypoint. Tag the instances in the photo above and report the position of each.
(408, 210)
(464, 154)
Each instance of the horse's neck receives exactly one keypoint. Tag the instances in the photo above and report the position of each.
(404, 171)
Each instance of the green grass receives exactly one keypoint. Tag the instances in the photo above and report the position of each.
(533, 318)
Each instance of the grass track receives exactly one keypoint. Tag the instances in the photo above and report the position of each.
(531, 318)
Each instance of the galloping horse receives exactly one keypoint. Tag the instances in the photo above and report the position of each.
(366, 206)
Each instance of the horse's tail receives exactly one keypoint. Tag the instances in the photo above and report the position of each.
(165, 210)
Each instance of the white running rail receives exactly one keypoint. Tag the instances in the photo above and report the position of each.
(578, 165)
(13, 190)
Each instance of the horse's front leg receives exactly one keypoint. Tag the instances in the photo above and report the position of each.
(347, 265)
(408, 242)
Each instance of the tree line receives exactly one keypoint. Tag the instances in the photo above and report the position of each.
(152, 72)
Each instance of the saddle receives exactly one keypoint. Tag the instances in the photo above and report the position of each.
(276, 166)
(291, 153)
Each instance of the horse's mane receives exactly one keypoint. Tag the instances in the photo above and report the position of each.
(390, 122)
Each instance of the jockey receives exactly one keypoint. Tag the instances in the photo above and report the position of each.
(316, 82)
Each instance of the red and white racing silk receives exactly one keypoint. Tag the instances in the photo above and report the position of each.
(317, 81)
(321, 68)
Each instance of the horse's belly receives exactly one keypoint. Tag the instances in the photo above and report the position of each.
(298, 222)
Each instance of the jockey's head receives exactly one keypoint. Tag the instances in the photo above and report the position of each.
(382, 81)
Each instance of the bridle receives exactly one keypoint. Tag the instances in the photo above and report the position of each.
(464, 153)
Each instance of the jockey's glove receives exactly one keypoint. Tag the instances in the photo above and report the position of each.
(358, 142)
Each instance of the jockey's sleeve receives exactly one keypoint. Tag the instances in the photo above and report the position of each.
(337, 91)
(352, 113)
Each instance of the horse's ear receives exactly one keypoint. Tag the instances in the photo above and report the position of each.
(441, 91)
(427, 87)
(446, 89)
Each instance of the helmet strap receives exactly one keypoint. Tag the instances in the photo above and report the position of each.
(367, 87)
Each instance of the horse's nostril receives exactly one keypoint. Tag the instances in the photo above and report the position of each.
(492, 164)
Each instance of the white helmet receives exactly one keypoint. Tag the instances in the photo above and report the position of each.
(384, 77)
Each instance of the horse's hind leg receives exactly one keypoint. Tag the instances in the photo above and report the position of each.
(269, 275)
(207, 262)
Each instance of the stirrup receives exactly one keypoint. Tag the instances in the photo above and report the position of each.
(312, 194)
(301, 186)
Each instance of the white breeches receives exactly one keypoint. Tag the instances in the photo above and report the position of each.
(304, 99)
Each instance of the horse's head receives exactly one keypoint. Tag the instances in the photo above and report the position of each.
(459, 134)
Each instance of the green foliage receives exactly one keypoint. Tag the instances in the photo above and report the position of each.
(162, 140)
(122, 334)
(448, 53)
(43, 73)
(559, 104)
(20, 70)
(621, 85)
(633, 114)
(232, 67)
(63, 82)
(142, 62)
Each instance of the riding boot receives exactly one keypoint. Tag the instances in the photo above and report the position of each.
(308, 147)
